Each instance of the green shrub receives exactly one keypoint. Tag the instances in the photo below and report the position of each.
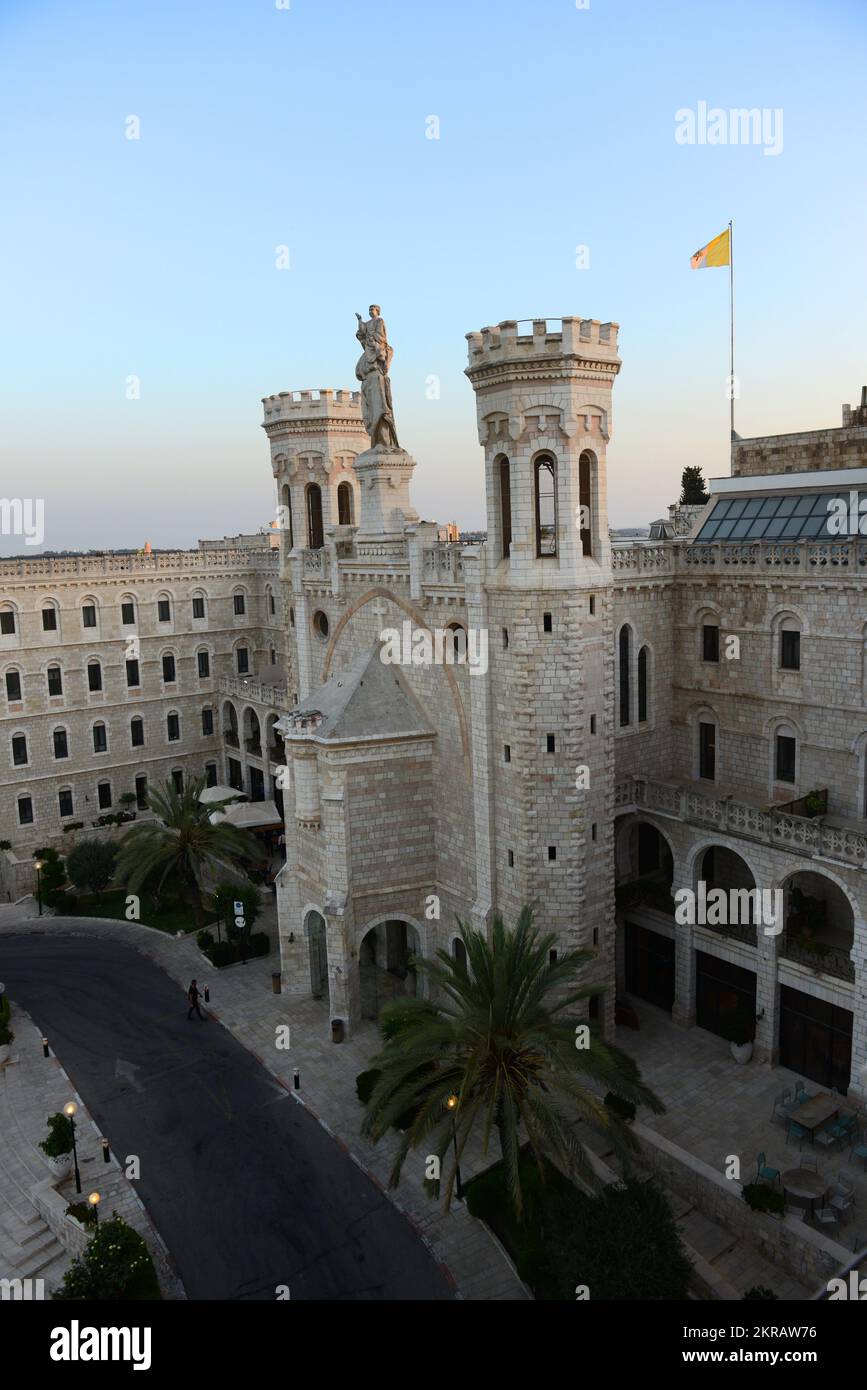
(59, 1141)
(83, 1212)
(115, 1265)
(91, 864)
(204, 940)
(69, 904)
(53, 880)
(73, 825)
(6, 1035)
(364, 1084)
(222, 953)
(623, 1109)
(396, 1015)
(5, 844)
(758, 1294)
(763, 1198)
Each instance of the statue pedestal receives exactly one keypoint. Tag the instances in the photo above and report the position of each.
(383, 476)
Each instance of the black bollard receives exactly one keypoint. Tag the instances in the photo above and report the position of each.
(45, 1051)
(296, 1079)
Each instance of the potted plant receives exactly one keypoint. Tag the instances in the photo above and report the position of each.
(128, 801)
(740, 1032)
(58, 1146)
(5, 844)
(814, 804)
(759, 1197)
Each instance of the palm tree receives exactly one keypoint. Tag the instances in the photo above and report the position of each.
(497, 1050)
(184, 845)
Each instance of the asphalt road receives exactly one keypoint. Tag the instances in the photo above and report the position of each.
(245, 1188)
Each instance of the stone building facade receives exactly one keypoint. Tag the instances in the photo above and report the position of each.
(539, 718)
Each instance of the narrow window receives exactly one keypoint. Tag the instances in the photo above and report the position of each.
(100, 739)
(286, 516)
(94, 676)
(49, 619)
(198, 607)
(25, 810)
(178, 780)
(64, 802)
(547, 623)
(164, 610)
(103, 795)
(506, 506)
(505, 639)
(210, 774)
(507, 753)
(88, 615)
(707, 751)
(61, 743)
(243, 661)
(7, 623)
(546, 507)
(786, 749)
(136, 733)
(55, 681)
(710, 642)
(207, 722)
(19, 750)
(344, 505)
(239, 605)
(315, 533)
(585, 499)
(593, 723)
(13, 686)
(550, 743)
(552, 852)
(141, 792)
(204, 665)
(510, 857)
(173, 728)
(625, 653)
(127, 614)
(168, 668)
(642, 686)
(790, 650)
(592, 606)
(132, 674)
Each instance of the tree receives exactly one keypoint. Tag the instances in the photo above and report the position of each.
(693, 492)
(53, 876)
(115, 1264)
(499, 1039)
(90, 865)
(183, 845)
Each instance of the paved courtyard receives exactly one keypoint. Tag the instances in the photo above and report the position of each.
(716, 1108)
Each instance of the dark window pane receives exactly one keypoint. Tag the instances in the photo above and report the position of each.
(785, 758)
(707, 751)
(243, 661)
(736, 509)
(100, 741)
(94, 676)
(49, 619)
(103, 793)
(164, 610)
(141, 791)
(753, 507)
(238, 600)
(787, 506)
(204, 664)
(790, 651)
(136, 730)
(725, 530)
(710, 642)
(7, 623)
(625, 645)
(55, 680)
(792, 527)
(132, 673)
(168, 668)
(198, 608)
(61, 746)
(13, 686)
(805, 505)
(775, 528)
(64, 801)
(25, 810)
(19, 750)
(769, 506)
(207, 721)
(88, 615)
(127, 613)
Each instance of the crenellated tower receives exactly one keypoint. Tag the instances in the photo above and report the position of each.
(543, 400)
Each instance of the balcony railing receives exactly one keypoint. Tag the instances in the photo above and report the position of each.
(231, 738)
(820, 956)
(253, 745)
(251, 689)
(821, 559)
(797, 834)
(442, 564)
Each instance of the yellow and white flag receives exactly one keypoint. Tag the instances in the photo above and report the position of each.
(717, 252)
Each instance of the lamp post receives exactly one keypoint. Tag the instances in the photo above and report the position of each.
(39, 865)
(70, 1109)
(452, 1105)
(93, 1201)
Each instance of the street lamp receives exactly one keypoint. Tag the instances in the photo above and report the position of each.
(70, 1109)
(93, 1201)
(39, 865)
(452, 1105)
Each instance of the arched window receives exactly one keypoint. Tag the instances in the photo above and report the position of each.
(315, 533)
(455, 644)
(344, 504)
(50, 615)
(136, 732)
(585, 498)
(625, 656)
(286, 515)
(506, 506)
(100, 738)
(642, 686)
(459, 951)
(55, 681)
(94, 676)
(13, 685)
(545, 471)
(8, 620)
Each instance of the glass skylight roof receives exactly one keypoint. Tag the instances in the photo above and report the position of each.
(786, 517)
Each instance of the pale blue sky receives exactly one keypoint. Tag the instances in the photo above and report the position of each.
(306, 127)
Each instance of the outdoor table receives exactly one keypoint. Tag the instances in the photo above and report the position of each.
(815, 1113)
(800, 1182)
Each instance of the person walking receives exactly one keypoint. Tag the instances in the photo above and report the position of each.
(194, 996)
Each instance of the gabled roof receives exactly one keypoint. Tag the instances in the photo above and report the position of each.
(366, 700)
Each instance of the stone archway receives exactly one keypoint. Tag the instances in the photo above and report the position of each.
(386, 968)
(314, 930)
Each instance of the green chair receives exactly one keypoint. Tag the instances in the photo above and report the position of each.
(763, 1171)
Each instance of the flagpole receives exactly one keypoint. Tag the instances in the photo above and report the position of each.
(732, 328)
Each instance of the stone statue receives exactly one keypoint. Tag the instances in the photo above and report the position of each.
(372, 371)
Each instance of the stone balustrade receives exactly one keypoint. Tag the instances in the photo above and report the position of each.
(247, 688)
(316, 564)
(442, 564)
(823, 559)
(158, 562)
(797, 834)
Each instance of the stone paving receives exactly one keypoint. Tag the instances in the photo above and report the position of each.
(32, 1087)
(243, 1000)
(715, 1108)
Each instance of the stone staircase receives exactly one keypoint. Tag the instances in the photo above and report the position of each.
(28, 1249)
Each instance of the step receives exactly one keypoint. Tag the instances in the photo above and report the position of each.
(22, 1231)
(35, 1260)
(709, 1240)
